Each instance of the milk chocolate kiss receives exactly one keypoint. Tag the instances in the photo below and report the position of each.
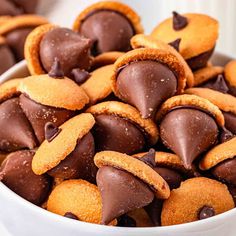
(110, 31)
(71, 49)
(15, 130)
(16, 41)
(121, 192)
(38, 115)
(6, 58)
(188, 132)
(16, 173)
(117, 134)
(78, 164)
(226, 171)
(230, 121)
(145, 85)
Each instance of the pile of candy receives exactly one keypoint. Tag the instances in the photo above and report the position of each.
(118, 128)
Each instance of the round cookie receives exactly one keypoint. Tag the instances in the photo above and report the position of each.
(196, 199)
(229, 72)
(159, 74)
(146, 41)
(79, 198)
(68, 153)
(112, 35)
(200, 115)
(129, 178)
(198, 34)
(123, 123)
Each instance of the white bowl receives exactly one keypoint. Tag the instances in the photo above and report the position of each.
(20, 217)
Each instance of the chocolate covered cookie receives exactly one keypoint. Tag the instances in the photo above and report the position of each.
(110, 25)
(198, 34)
(119, 127)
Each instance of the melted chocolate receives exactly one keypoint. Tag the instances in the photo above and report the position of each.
(145, 85)
(6, 58)
(110, 31)
(121, 192)
(117, 134)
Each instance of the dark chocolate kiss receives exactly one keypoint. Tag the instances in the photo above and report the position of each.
(121, 192)
(175, 44)
(80, 76)
(218, 84)
(126, 221)
(230, 121)
(72, 50)
(15, 130)
(109, 30)
(51, 131)
(149, 158)
(206, 212)
(117, 134)
(145, 85)
(225, 135)
(17, 174)
(179, 21)
(188, 132)
(226, 171)
(39, 115)
(71, 216)
(79, 163)
(56, 71)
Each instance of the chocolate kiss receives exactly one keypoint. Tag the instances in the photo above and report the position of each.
(39, 115)
(179, 21)
(121, 192)
(149, 158)
(56, 70)
(188, 132)
(15, 130)
(145, 85)
(175, 44)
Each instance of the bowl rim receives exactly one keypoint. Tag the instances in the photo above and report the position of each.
(96, 227)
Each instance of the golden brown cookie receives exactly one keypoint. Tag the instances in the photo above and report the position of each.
(141, 218)
(9, 89)
(191, 100)
(219, 153)
(128, 112)
(3, 19)
(78, 197)
(230, 74)
(197, 37)
(206, 73)
(21, 21)
(31, 49)
(106, 58)
(55, 92)
(189, 201)
(50, 154)
(159, 55)
(98, 86)
(145, 41)
(225, 102)
(121, 8)
(135, 167)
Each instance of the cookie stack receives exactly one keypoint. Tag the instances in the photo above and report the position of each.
(116, 127)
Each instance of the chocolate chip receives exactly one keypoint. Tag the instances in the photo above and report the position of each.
(149, 158)
(179, 21)
(206, 212)
(51, 131)
(225, 135)
(80, 76)
(175, 44)
(126, 221)
(71, 216)
(56, 71)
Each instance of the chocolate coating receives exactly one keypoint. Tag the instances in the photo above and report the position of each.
(79, 164)
(230, 121)
(39, 115)
(117, 134)
(226, 171)
(6, 58)
(15, 130)
(110, 31)
(121, 192)
(188, 132)
(72, 50)
(16, 40)
(206, 212)
(145, 85)
(200, 61)
(16, 173)
(8, 8)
